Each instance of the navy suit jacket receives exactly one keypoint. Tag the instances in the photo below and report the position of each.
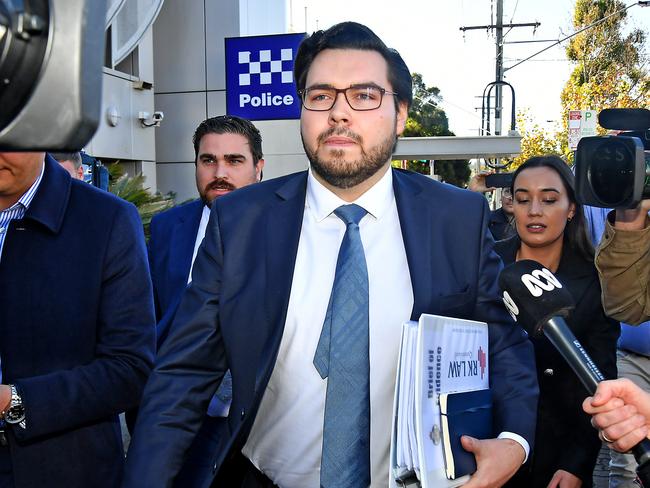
(171, 246)
(77, 329)
(234, 312)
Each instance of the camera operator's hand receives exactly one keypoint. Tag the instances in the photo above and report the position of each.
(633, 219)
(477, 183)
(623, 263)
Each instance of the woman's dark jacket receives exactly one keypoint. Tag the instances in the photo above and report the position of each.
(565, 438)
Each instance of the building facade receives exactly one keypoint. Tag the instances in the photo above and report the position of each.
(176, 65)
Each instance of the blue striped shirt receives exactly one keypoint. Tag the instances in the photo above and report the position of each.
(18, 209)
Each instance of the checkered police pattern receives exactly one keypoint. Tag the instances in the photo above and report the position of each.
(265, 67)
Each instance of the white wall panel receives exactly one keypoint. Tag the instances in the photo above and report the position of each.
(183, 113)
(179, 46)
(178, 178)
(114, 142)
(222, 19)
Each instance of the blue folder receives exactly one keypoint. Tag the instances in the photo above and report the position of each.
(464, 413)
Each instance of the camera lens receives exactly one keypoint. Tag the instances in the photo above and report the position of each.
(23, 43)
(611, 172)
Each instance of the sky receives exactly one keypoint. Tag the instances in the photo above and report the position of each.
(427, 35)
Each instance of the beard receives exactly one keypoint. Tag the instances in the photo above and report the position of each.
(344, 173)
(216, 184)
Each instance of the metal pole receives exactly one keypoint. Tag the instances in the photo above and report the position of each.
(498, 109)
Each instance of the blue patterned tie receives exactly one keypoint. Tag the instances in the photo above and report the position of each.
(342, 357)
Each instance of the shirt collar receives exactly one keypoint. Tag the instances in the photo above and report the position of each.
(321, 202)
(26, 198)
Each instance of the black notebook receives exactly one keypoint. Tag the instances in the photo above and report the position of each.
(464, 413)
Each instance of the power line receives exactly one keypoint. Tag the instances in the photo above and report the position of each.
(514, 11)
(498, 28)
(532, 40)
(643, 3)
(493, 26)
(563, 60)
(444, 101)
(511, 19)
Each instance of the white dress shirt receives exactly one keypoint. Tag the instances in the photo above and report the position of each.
(200, 234)
(19, 209)
(286, 439)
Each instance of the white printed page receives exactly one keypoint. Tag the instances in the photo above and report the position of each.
(451, 356)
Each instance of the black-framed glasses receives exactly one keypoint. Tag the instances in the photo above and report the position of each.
(359, 97)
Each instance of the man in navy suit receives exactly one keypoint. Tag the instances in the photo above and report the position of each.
(228, 156)
(77, 325)
(266, 277)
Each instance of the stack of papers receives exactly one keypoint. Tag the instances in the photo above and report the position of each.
(407, 447)
(437, 355)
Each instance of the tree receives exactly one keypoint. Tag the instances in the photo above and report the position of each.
(426, 119)
(611, 67)
(536, 141)
(132, 190)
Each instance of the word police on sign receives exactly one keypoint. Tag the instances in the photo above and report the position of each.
(259, 77)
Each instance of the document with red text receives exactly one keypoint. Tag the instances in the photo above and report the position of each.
(437, 355)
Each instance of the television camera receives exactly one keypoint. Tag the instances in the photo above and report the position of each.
(51, 54)
(614, 171)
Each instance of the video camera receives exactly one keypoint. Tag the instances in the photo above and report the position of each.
(51, 54)
(614, 171)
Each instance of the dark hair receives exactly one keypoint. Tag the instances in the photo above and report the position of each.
(73, 157)
(350, 35)
(228, 124)
(575, 232)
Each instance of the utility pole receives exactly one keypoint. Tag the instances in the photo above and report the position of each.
(498, 28)
(498, 107)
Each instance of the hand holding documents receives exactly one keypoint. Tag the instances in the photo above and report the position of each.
(439, 356)
(464, 413)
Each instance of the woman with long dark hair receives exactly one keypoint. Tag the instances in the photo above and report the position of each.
(551, 230)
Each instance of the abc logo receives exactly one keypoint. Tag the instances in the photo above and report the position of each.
(511, 306)
(539, 281)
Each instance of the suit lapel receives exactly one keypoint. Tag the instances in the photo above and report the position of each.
(416, 220)
(181, 247)
(283, 225)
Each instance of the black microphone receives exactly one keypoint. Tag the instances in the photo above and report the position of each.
(539, 303)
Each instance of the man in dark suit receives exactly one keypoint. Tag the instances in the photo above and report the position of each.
(502, 223)
(228, 155)
(77, 325)
(312, 338)
(72, 163)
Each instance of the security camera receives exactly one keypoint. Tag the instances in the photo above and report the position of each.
(147, 120)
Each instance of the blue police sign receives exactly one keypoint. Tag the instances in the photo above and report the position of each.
(259, 77)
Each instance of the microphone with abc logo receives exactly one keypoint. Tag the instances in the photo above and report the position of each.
(539, 303)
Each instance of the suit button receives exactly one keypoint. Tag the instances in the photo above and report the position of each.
(214, 468)
(243, 413)
(548, 372)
